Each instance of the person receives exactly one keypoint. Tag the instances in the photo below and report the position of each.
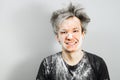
(72, 63)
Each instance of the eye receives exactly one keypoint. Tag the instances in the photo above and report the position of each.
(75, 31)
(63, 32)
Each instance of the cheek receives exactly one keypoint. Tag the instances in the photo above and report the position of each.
(78, 36)
(60, 38)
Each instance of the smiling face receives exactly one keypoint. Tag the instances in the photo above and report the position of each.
(70, 34)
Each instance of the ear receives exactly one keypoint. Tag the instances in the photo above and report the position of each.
(83, 35)
(56, 37)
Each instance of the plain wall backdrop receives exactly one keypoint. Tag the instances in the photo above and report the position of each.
(26, 35)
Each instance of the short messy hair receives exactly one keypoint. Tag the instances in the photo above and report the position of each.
(72, 10)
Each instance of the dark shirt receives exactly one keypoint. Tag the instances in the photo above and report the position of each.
(90, 67)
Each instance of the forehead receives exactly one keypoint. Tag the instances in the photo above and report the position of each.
(70, 23)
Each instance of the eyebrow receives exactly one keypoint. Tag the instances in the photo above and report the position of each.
(73, 29)
(76, 28)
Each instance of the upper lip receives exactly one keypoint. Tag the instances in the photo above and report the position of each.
(71, 43)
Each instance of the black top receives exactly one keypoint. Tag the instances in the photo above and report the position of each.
(90, 67)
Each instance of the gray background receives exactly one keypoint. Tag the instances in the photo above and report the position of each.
(26, 35)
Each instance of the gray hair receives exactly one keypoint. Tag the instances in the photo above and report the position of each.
(62, 14)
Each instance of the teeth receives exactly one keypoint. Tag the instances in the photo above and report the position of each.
(71, 43)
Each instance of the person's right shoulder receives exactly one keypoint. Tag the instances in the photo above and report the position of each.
(51, 59)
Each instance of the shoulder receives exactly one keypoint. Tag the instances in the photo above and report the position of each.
(99, 66)
(94, 57)
(51, 59)
(53, 56)
(96, 61)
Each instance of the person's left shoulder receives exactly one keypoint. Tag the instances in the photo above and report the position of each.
(99, 66)
(95, 59)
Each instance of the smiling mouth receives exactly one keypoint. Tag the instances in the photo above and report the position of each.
(71, 43)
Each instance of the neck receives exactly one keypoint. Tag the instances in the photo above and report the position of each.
(72, 58)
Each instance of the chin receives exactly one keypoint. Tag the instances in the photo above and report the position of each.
(70, 50)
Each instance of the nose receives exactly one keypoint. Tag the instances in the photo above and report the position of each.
(69, 36)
